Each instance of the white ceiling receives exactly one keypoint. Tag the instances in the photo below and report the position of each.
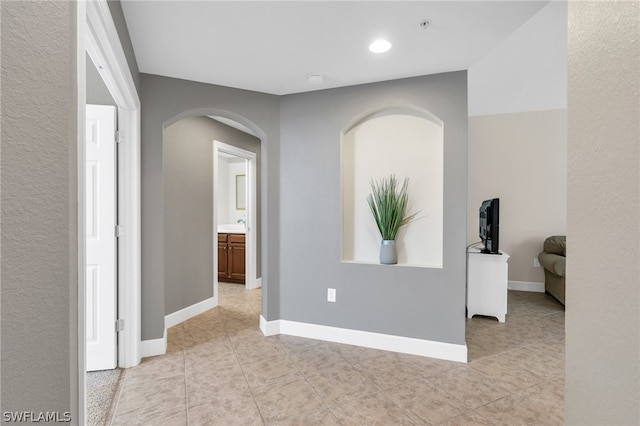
(273, 47)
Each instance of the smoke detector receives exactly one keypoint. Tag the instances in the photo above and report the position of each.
(315, 79)
(425, 23)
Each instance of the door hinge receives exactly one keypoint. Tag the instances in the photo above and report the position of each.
(119, 325)
(119, 136)
(119, 231)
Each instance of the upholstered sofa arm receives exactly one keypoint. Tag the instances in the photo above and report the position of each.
(553, 263)
(556, 245)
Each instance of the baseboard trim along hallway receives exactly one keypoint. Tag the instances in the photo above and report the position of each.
(387, 342)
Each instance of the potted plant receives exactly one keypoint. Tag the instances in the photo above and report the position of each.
(389, 208)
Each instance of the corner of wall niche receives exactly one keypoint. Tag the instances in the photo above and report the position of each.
(408, 143)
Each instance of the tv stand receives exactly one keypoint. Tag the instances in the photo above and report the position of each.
(487, 284)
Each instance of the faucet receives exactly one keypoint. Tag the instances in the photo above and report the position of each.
(242, 221)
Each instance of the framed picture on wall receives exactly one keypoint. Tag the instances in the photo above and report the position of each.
(241, 193)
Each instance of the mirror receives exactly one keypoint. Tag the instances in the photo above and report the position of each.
(241, 199)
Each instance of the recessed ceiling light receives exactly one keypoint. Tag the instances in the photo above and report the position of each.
(380, 46)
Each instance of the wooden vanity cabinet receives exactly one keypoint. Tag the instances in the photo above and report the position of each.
(231, 258)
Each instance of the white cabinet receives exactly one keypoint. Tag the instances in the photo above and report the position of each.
(487, 284)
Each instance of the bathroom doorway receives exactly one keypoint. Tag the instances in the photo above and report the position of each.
(234, 215)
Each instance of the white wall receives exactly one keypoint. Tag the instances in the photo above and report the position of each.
(235, 168)
(527, 71)
(223, 190)
(228, 169)
(517, 138)
(409, 147)
(520, 158)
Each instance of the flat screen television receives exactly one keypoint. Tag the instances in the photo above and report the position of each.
(490, 225)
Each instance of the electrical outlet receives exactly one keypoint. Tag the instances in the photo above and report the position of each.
(536, 262)
(331, 295)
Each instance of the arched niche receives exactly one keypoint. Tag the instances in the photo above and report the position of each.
(407, 142)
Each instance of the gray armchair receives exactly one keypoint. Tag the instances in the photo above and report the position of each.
(553, 260)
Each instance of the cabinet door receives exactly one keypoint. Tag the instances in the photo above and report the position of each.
(223, 257)
(236, 258)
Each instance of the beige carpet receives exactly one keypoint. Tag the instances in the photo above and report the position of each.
(102, 388)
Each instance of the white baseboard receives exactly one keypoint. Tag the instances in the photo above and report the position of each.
(252, 285)
(154, 347)
(269, 328)
(366, 339)
(526, 286)
(189, 312)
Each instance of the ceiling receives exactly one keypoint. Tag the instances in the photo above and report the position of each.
(273, 47)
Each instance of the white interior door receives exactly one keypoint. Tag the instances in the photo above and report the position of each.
(101, 239)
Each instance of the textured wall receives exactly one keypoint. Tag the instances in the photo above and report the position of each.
(603, 215)
(39, 262)
(423, 303)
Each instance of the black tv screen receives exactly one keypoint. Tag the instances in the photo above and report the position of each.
(490, 225)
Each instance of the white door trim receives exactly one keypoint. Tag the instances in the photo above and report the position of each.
(104, 48)
(251, 251)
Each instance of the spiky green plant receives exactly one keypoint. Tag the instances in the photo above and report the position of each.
(389, 206)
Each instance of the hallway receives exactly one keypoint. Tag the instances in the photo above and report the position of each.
(220, 369)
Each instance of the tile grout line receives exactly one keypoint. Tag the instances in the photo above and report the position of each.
(117, 401)
(186, 383)
(316, 391)
(244, 375)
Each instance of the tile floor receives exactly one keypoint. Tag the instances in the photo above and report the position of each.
(220, 370)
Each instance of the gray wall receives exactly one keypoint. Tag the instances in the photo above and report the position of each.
(39, 250)
(115, 7)
(38, 217)
(603, 215)
(405, 301)
(97, 92)
(188, 214)
(165, 101)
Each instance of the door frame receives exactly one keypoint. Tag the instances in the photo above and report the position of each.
(97, 36)
(251, 252)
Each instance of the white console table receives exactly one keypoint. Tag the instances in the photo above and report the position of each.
(487, 284)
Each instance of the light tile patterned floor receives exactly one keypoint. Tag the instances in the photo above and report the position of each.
(221, 370)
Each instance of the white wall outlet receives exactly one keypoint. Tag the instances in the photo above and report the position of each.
(536, 262)
(331, 295)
